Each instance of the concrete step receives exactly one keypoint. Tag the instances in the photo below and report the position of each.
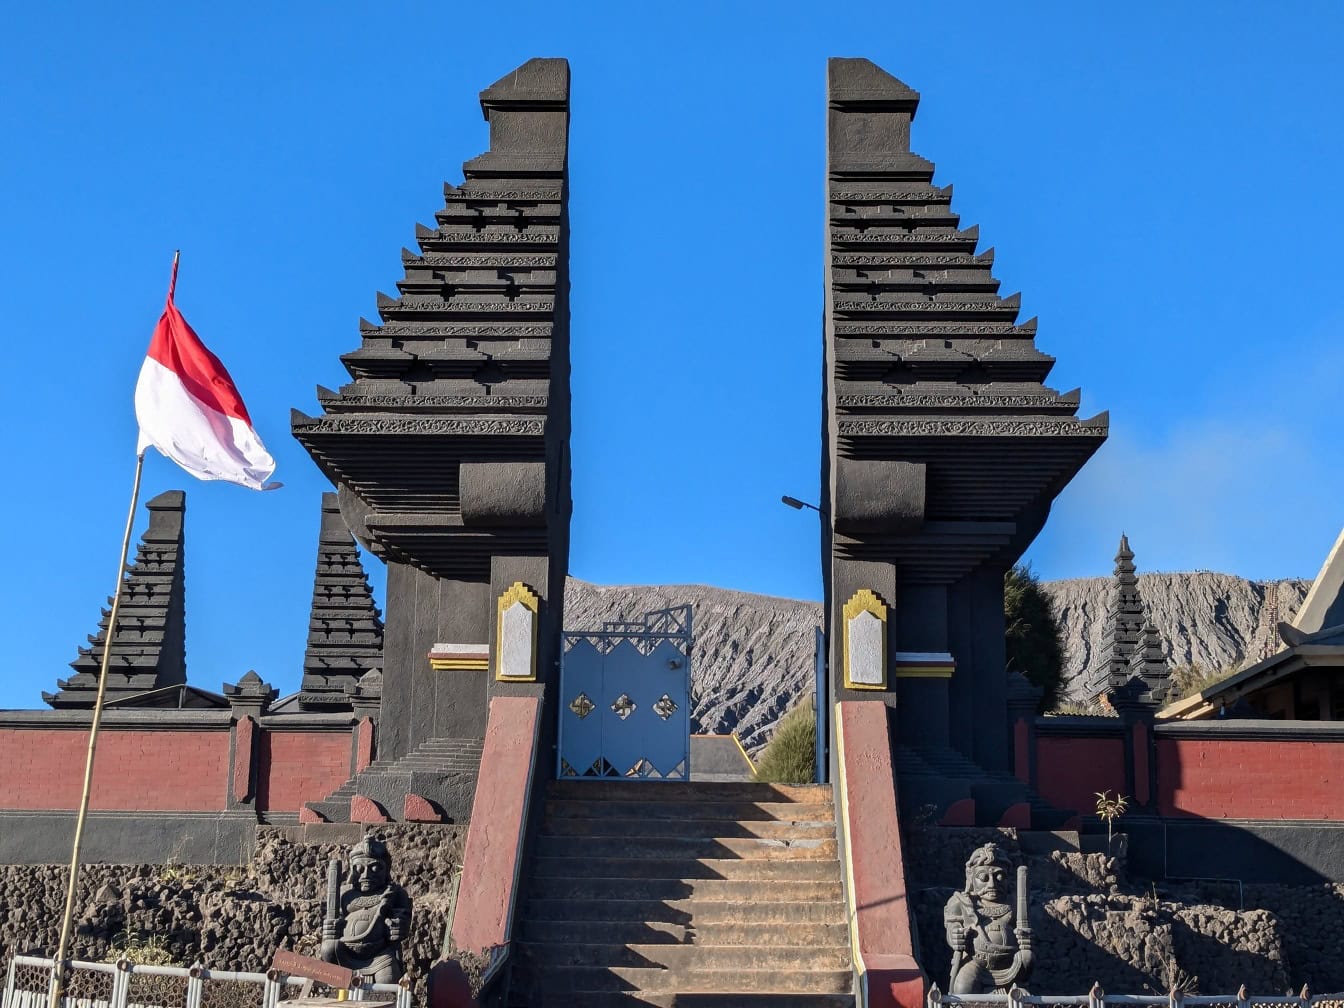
(684, 791)
(683, 999)
(643, 827)
(633, 931)
(732, 811)
(698, 910)
(543, 887)
(576, 982)
(765, 870)
(685, 958)
(655, 999)
(686, 847)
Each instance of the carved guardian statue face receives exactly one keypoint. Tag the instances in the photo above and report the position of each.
(367, 874)
(989, 882)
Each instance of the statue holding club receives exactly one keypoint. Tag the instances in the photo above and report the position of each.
(991, 945)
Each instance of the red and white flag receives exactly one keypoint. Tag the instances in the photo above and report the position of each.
(190, 410)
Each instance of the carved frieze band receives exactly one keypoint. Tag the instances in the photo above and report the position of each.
(480, 190)
(967, 399)
(519, 612)
(865, 642)
(893, 236)
(932, 328)
(927, 306)
(439, 304)
(907, 259)
(501, 237)
(459, 402)
(477, 330)
(482, 260)
(892, 195)
(1006, 427)
(466, 426)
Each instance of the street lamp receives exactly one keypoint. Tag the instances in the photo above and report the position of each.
(798, 505)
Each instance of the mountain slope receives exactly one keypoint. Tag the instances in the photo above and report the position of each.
(754, 654)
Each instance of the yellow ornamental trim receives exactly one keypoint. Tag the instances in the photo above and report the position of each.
(516, 646)
(865, 641)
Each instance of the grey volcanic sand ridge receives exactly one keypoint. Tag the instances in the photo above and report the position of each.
(754, 654)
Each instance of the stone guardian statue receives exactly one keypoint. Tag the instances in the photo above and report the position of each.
(991, 946)
(365, 925)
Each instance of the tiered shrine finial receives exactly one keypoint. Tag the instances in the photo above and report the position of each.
(945, 448)
(1130, 643)
(149, 646)
(345, 629)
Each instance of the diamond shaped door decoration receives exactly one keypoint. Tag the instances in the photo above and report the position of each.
(582, 706)
(623, 706)
(665, 707)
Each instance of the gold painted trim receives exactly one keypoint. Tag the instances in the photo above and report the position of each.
(923, 672)
(516, 592)
(448, 664)
(865, 600)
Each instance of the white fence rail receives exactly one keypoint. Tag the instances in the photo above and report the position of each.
(124, 984)
(1097, 998)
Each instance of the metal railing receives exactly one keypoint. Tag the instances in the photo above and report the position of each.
(1098, 998)
(125, 984)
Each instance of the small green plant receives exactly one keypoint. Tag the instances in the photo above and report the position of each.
(790, 756)
(143, 951)
(1110, 809)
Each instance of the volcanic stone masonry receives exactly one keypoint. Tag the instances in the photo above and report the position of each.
(944, 450)
(449, 446)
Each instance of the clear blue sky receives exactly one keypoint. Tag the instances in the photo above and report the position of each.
(1161, 181)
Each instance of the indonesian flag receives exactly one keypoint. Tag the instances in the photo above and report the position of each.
(190, 410)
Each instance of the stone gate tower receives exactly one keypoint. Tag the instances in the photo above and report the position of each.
(449, 447)
(943, 449)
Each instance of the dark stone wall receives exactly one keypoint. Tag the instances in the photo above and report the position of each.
(1094, 922)
(230, 917)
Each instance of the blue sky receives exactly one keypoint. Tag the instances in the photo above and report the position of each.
(1161, 181)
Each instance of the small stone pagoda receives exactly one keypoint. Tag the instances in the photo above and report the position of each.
(1130, 644)
(148, 650)
(345, 629)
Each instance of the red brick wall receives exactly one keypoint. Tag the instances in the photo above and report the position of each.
(1239, 779)
(149, 771)
(1070, 771)
(298, 766)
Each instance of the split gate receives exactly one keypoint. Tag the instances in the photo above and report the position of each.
(625, 699)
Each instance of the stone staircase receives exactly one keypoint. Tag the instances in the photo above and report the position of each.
(440, 771)
(669, 893)
(939, 776)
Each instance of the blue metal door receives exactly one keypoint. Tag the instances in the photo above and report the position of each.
(625, 699)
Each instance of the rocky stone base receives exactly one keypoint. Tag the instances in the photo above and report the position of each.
(1091, 923)
(228, 917)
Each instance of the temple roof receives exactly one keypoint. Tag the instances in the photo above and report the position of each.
(928, 360)
(148, 650)
(464, 362)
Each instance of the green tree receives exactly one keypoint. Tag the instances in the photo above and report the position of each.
(790, 755)
(1032, 633)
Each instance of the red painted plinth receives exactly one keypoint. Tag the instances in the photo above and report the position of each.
(366, 810)
(498, 813)
(417, 809)
(882, 930)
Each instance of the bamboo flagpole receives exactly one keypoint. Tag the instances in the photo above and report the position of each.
(188, 408)
(58, 986)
